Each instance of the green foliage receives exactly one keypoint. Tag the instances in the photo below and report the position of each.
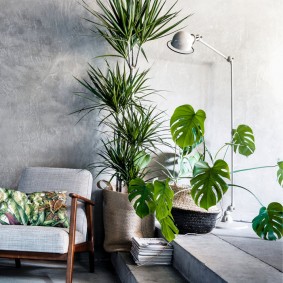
(142, 160)
(119, 159)
(243, 140)
(139, 127)
(168, 228)
(163, 198)
(268, 225)
(142, 194)
(133, 131)
(114, 91)
(158, 197)
(126, 25)
(137, 133)
(280, 173)
(187, 126)
(208, 183)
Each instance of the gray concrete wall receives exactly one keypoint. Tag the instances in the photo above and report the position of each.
(43, 44)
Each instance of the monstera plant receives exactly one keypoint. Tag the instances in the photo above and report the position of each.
(210, 176)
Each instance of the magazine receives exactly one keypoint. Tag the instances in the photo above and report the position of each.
(151, 251)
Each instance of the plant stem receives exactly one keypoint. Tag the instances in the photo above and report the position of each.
(204, 147)
(138, 53)
(210, 155)
(233, 185)
(255, 168)
(174, 166)
(220, 150)
(226, 152)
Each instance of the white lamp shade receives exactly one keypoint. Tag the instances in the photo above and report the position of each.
(182, 42)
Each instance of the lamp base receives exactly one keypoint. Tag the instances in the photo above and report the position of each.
(227, 221)
(235, 225)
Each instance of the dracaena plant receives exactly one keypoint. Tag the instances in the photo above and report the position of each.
(209, 178)
(120, 96)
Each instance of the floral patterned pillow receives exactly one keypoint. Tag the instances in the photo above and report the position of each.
(14, 207)
(48, 209)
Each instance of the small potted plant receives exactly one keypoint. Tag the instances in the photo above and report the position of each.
(209, 179)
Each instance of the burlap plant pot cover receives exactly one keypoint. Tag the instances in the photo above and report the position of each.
(121, 222)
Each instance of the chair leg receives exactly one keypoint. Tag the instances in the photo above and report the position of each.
(91, 261)
(70, 267)
(18, 262)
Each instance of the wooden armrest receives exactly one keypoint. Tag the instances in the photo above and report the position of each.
(81, 198)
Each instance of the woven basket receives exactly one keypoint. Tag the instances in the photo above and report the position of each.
(188, 217)
(189, 221)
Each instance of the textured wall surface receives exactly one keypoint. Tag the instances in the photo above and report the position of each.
(43, 44)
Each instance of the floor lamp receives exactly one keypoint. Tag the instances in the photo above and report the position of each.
(183, 43)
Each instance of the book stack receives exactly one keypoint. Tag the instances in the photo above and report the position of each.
(151, 251)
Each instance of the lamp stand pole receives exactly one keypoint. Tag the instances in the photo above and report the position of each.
(227, 217)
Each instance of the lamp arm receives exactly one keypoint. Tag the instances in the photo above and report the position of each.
(199, 38)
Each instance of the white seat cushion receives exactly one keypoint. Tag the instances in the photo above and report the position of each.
(36, 238)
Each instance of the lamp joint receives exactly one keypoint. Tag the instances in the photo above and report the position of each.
(230, 59)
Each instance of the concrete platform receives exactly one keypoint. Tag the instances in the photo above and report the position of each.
(228, 256)
(225, 255)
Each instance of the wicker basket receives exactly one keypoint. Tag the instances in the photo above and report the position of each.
(189, 221)
(188, 217)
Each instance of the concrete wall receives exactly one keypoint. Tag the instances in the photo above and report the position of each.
(43, 44)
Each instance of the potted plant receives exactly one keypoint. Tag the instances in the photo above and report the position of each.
(120, 97)
(210, 175)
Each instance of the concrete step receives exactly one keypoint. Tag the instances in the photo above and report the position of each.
(222, 256)
(210, 258)
(129, 272)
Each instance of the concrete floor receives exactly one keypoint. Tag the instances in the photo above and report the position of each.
(37, 272)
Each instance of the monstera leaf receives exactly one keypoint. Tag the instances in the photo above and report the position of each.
(143, 195)
(163, 197)
(208, 184)
(187, 127)
(268, 225)
(280, 173)
(243, 140)
(168, 228)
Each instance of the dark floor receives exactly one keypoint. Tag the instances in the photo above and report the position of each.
(37, 272)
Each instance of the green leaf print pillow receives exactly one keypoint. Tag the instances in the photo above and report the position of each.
(14, 207)
(48, 209)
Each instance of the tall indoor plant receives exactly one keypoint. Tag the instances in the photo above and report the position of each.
(120, 96)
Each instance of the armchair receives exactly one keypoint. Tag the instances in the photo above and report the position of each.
(53, 243)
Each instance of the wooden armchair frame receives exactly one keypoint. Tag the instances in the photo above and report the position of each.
(73, 248)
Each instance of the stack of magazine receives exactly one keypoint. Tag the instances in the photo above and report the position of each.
(151, 251)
